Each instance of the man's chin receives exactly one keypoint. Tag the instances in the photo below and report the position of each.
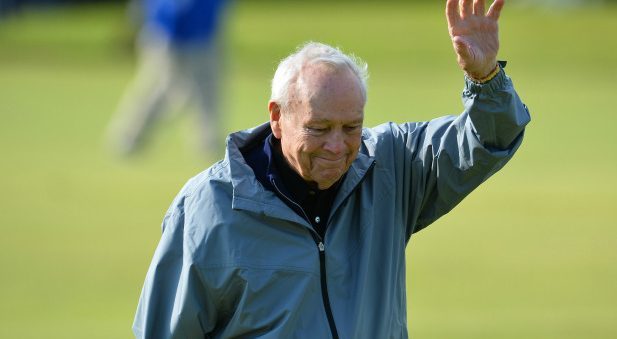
(325, 185)
(327, 178)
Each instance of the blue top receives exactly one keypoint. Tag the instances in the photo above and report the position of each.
(183, 20)
(235, 261)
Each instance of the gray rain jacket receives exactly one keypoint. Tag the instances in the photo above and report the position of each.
(234, 261)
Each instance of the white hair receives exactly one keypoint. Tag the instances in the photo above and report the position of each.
(289, 69)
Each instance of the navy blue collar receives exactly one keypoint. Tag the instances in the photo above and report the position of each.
(260, 159)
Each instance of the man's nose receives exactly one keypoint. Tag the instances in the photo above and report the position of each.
(335, 142)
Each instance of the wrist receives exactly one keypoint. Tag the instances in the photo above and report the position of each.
(480, 79)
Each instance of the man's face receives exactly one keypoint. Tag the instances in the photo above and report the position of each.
(320, 132)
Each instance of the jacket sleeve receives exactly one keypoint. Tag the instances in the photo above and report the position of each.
(446, 158)
(174, 301)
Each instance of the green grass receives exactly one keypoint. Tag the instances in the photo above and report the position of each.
(531, 254)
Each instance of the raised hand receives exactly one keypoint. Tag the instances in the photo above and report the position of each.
(475, 35)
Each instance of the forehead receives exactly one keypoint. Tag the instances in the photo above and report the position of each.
(332, 117)
(330, 94)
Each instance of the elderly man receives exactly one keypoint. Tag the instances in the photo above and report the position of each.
(300, 232)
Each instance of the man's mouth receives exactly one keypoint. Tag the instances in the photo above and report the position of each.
(331, 160)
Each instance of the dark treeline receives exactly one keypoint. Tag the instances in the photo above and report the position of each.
(8, 6)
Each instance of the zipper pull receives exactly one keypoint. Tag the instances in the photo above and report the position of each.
(321, 246)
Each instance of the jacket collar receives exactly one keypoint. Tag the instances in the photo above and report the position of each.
(249, 194)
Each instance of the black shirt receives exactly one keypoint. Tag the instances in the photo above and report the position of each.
(316, 203)
(275, 174)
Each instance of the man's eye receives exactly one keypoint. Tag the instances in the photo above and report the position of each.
(316, 129)
(353, 128)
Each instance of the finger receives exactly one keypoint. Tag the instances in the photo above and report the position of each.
(495, 10)
(478, 7)
(452, 13)
(466, 8)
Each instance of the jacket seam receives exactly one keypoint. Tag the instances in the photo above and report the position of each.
(257, 267)
(206, 177)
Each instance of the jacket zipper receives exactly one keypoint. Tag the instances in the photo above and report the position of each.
(324, 289)
(322, 265)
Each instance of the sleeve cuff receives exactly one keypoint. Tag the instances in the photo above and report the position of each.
(498, 82)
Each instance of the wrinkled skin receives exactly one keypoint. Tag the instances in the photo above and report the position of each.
(474, 34)
(320, 132)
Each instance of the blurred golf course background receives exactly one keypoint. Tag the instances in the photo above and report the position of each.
(531, 254)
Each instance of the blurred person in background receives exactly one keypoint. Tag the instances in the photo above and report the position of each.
(178, 63)
(300, 231)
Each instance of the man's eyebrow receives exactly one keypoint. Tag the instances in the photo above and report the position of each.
(326, 121)
(357, 121)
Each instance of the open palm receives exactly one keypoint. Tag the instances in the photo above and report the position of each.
(474, 34)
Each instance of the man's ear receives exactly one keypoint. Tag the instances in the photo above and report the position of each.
(275, 118)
